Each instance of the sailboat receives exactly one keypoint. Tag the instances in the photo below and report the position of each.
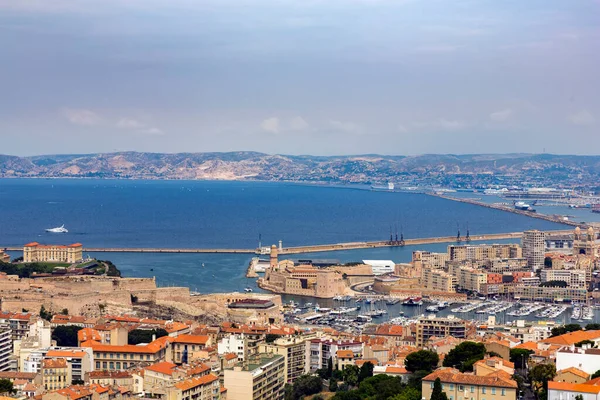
(60, 229)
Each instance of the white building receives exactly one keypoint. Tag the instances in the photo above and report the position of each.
(585, 359)
(575, 278)
(381, 267)
(569, 391)
(534, 247)
(237, 344)
(5, 347)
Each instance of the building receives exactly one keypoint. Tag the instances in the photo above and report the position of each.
(35, 252)
(5, 258)
(56, 374)
(440, 327)
(321, 350)
(559, 243)
(569, 391)
(108, 357)
(305, 280)
(6, 347)
(438, 280)
(381, 267)
(534, 247)
(427, 258)
(584, 359)
(234, 343)
(261, 377)
(574, 278)
(571, 375)
(18, 323)
(586, 244)
(187, 348)
(457, 252)
(548, 294)
(205, 387)
(460, 386)
(80, 361)
(293, 351)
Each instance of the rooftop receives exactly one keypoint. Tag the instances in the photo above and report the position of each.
(451, 375)
(259, 360)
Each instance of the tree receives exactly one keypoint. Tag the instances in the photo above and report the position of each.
(595, 374)
(45, 314)
(306, 385)
(329, 367)
(66, 335)
(465, 355)
(138, 336)
(540, 375)
(333, 385)
(351, 375)
(592, 327)
(436, 393)
(583, 342)
(561, 330)
(6, 386)
(65, 311)
(271, 337)
(381, 387)
(422, 360)
(579, 397)
(366, 371)
(415, 380)
(409, 393)
(520, 357)
(548, 262)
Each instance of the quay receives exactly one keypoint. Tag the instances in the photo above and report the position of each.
(312, 248)
(503, 207)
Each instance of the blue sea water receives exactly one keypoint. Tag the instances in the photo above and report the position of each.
(206, 214)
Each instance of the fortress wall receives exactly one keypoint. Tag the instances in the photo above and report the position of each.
(10, 285)
(137, 283)
(173, 293)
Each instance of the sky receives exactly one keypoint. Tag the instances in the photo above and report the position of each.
(321, 77)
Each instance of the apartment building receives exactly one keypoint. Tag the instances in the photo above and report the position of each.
(550, 294)
(460, 386)
(574, 278)
(17, 322)
(293, 351)
(438, 280)
(35, 252)
(440, 327)
(321, 350)
(109, 357)
(468, 278)
(534, 248)
(80, 361)
(235, 343)
(56, 374)
(427, 258)
(187, 348)
(6, 347)
(261, 377)
(481, 252)
(206, 387)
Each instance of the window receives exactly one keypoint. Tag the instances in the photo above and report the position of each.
(483, 390)
(452, 386)
(97, 364)
(460, 388)
(432, 385)
(111, 365)
(493, 390)
(503, 392)
(472, 389)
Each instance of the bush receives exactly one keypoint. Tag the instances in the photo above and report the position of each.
(138, 336)
(66, 335)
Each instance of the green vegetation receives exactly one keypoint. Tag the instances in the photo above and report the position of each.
(112, 269)
(138, 336)
(270, 337)
(47, 315)
(595, 374)
(561, 330)
(27, 270)
(548, 262)
(592, 327)
(437, 393)
(305, 385)
(520, 357)
(379, 387)
(6, 387)
(539, 377)
(422, 360)
(580, 344)
(464, 356)
(66, 335)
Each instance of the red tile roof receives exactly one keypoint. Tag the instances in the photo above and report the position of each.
(451, 375)
(573, 387)
(192, 383)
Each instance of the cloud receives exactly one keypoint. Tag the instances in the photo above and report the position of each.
(138, 127)
(82, 117)
(402, 129)
(442, 124)
(502, 115)
(440, 49)
(270, 125)
(583, 117)
(129, 123)
(298, 124)
(344, 126)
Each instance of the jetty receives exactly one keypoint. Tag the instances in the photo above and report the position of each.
(311, 248)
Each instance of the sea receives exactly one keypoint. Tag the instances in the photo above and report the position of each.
(231, 215)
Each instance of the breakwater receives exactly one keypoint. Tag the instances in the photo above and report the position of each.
(311, 248)
(502, 207)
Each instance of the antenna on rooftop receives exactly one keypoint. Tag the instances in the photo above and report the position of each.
(458, 238)
(468, 238)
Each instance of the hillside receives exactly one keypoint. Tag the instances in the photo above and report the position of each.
(452, 170)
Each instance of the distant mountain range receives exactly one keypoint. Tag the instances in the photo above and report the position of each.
(368, 168)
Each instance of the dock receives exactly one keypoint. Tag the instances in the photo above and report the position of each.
(310, 248)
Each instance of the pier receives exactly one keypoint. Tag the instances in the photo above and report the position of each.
(311, 248)
(503, 207)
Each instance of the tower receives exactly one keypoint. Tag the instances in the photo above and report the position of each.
(534, 246)
(274, 263)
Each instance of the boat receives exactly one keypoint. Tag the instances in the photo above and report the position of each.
(596, 208)
(522, 206)
(432, 309)
(60, 229)
(247, 289)
(412, 301)
(392, 301)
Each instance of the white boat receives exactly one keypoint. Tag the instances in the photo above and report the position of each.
(247, 289)
(60, 229)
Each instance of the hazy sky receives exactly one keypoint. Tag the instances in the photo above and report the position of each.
(300, 76)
